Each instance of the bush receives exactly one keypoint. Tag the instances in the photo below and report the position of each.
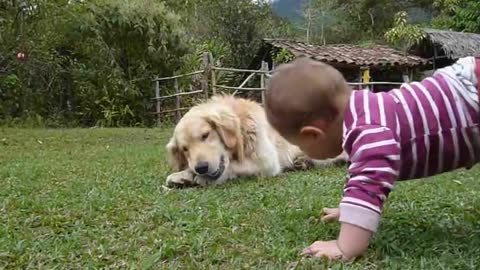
(90, 62)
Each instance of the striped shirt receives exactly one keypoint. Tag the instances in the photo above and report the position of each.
(422, 129)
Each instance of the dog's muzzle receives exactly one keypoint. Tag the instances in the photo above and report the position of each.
(216, 174)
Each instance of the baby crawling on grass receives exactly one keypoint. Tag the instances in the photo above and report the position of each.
(422, 129)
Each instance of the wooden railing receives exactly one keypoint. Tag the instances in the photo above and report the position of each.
(208, 76)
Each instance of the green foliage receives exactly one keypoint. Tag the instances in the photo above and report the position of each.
(403, 34)
(371, 18)
(353, 21)
(467, 17)
(282, 56)
(447, 6)
(458, 15)
(91, 62)
(242, 24)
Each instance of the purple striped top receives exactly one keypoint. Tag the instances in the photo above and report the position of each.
(422, 129)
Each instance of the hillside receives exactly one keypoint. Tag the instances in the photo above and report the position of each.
(290, 9)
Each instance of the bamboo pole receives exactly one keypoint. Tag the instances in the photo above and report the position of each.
(243, 88)
(262, 80)
(243, 83)
(175, 110)
(375, 83)
(178, 115)
(212, 74)
(157, 97)
(179, 94)
(206, 71)
(178, 76)
(238, 70)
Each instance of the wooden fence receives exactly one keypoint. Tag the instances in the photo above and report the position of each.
(208, 78)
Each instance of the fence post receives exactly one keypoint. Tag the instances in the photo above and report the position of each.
(157, 97)
(206, 71)
(366, 77)
(213, 75)
(262, 80)
(178, 115)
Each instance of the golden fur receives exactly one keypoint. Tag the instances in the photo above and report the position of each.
(233, 138)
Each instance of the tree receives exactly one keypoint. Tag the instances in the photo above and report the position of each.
(326, 13)
(403, 34)
(88, 62)
(458, 15)
(92, 61)
(370, 19)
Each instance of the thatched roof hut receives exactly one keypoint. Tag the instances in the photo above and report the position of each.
(444, 47)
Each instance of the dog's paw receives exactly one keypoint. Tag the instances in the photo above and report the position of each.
(303, 163)
(341, 159)
(202, 181)
(181, 179)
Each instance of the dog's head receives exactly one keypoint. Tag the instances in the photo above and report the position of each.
(205, 140)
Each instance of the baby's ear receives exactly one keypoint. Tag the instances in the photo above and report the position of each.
(312, 133)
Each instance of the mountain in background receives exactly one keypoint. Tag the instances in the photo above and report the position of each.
(290, 9)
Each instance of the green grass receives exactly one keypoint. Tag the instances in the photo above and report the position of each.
(93, 198)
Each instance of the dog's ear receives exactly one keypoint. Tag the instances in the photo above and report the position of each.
(228, 127)
(176, 158)
(249, 129)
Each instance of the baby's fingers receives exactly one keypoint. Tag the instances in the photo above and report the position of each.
(313, 248)
(309, 252)
(328, 211)
(330, 214)
(329, 218)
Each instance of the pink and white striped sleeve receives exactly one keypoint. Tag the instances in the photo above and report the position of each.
(374, 154)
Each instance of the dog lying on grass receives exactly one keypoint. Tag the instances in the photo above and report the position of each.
(228, 137)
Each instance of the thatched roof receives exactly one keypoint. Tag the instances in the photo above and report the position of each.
(455, 44)
(348, 54)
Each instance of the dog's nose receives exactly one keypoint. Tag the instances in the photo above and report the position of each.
(201, 167)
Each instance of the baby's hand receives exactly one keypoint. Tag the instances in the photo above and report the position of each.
(330, 214)
(325, 249)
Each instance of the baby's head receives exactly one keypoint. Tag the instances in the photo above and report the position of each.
(305, 103)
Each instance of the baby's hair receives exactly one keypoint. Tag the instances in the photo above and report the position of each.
(301, 92)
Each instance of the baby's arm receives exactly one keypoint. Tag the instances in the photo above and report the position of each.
(375, 160)
(352, 242)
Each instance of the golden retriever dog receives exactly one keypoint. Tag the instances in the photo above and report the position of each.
(228, 137)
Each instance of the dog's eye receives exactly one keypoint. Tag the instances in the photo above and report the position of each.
(185, 149)
(205, 136)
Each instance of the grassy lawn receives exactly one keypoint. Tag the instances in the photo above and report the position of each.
(93, 198)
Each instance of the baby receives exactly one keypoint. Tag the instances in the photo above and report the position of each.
(422, 129)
